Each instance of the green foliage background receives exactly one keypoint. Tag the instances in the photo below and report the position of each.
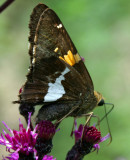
(101, 32)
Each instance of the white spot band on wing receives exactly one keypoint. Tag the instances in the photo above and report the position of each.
(59, 26)
(56, 90)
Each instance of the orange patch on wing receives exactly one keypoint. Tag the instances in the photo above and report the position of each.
(77, 57)
(70, 58)
(62, 58)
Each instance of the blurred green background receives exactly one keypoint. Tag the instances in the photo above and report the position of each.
(101, 32)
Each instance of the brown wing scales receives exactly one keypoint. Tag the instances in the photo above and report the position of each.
(52, 51)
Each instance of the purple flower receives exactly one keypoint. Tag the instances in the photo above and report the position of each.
(78, 132)
(86, 139)
(96, 146)
(13, 156)
(46, 130)
(22, 141)
(89, 135)
(47, 157)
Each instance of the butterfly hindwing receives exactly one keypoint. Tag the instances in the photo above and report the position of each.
(59, 82)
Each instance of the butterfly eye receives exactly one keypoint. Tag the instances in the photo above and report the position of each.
(101, 102)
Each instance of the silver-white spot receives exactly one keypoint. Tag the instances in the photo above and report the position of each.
(59, 26)
(34, 49)
(35, 38)
(33, 61)
(80, 94)
(56, 90)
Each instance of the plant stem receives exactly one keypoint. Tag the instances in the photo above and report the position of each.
(5, 5)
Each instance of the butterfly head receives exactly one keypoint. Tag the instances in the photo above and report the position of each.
(100, 98)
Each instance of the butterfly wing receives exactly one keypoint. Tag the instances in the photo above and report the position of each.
(57, 71)
(34, 18)
(55, 39)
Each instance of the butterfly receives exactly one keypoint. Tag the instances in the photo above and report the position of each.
(57, 77)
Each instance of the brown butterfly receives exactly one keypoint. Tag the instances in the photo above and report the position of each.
(58, 78)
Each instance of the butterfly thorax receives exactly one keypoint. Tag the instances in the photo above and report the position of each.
(99, 97)
(88, 104)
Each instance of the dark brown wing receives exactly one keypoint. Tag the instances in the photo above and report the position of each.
(52, 37)
(57, 72)
(34, 18)
(53, 80)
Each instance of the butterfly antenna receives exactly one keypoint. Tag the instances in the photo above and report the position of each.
(106, 114)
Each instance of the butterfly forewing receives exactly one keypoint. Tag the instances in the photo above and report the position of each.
(57, 72)
(58, 43)
(34, 18)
